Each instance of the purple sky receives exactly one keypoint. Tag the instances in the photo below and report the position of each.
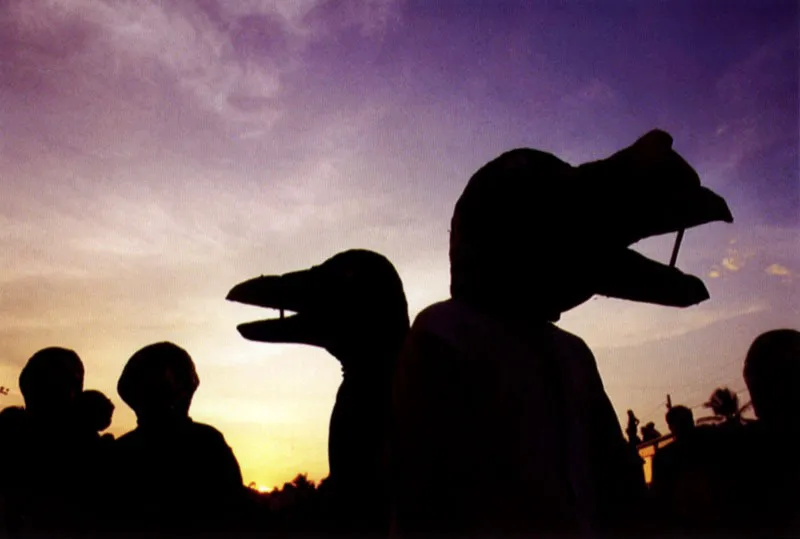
(156, 153)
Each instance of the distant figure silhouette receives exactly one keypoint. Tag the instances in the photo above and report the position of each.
(45, 467)
(11, 417)
(771, 476)
(176, 476)
(650, 433)
(502, 422)
(95, 411)
(680, 421)
(680, 481)
(353, 305)
(12, 430)
(632, 429)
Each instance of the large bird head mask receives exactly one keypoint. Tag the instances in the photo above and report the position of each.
(353, 305)
(534, 236)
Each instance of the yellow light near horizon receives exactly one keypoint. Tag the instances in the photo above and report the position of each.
(262, 488)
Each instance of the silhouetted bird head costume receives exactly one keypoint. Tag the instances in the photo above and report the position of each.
(158, 382)
(353, 305)
(533, 236)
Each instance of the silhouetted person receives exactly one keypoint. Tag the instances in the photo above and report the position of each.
(680, 421)
(12, 421)
(46, 466)
(632, 429)
(12, 429)
(649, 432)
(95, 411)
(353, 305)
(695, 478)
(675, 466)
(50, 382)
(772, 372)
(502, 422)
(771, 475)
(176, 476)
(633, 443)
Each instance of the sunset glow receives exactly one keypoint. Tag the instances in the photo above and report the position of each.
(154, 154)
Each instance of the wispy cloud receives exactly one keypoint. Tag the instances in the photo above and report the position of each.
(752, 149)
(735, 260)
(637, 323)
(225, 60)
(778, 270)
(594, 93)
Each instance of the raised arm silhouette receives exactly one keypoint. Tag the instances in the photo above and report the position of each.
(353, 305)
(502, 422)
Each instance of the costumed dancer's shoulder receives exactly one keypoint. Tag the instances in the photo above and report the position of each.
(433, 314)
(570, 341)
(576, 355)
(429, 342)
(441, 325)
(128, 439)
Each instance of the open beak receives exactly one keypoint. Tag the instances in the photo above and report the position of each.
(629, 275)
(642, 191)
(293, 292)
(672, 212)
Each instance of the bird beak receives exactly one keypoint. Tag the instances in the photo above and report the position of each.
(288, 292)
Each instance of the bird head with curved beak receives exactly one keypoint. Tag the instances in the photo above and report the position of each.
(534, 236)
(353, 305)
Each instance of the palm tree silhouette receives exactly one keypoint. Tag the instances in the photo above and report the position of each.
(725, 404)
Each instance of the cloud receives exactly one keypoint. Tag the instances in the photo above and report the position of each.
(779, 270)
(730, 264)
(226, 60)
(594, 92)
(733, 262)
(751, 150)
(611, 323)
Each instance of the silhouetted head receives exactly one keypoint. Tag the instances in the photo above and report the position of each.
(158, 382)
(532, 235)
(680, 420)
(353, 305)
(50, 382)
(11, 418)
(95, 410)
(649, 431)
(772, 374)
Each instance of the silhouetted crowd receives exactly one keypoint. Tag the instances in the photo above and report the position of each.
(482, 418)
(171, 476)
(737, 476)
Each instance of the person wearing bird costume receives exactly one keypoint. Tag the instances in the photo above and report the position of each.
(501, 424)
